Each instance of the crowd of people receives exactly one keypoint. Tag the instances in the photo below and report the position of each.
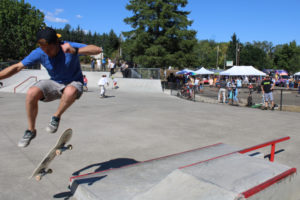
(229, 87)
(108, 64)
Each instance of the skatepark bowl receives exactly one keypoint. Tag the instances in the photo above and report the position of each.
(143, 143)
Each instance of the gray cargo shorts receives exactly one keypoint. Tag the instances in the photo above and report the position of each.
(268, 96)
(53, 90)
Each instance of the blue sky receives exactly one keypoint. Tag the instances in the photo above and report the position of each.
(275, 21)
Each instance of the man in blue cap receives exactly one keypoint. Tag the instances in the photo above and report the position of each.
(61, 59)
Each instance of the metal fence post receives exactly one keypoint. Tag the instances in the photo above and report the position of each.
(280, 99)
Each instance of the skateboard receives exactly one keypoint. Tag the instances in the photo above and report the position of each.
(42, 169)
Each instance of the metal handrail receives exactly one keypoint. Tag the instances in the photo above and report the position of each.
(270, 143)
(35, 77)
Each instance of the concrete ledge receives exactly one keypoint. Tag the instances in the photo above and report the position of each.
(223, 174)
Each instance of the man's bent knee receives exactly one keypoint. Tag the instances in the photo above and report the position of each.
(70, 91)
(34, 93)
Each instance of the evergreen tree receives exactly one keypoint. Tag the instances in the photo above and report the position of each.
(252, 55)
(233, 48)
(160, 35)
(287, 57)
(19, 23)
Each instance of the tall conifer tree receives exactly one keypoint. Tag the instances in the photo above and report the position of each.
(160, 35)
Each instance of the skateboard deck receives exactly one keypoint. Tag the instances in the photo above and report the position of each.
(60, 146)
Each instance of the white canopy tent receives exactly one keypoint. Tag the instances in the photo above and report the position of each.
(297, 74)
(203, 71)
(242, 71)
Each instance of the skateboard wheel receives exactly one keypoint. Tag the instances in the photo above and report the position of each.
(58, 152)
(70, 147)
(38, 177)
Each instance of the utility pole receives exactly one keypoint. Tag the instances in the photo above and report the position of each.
(217, 57)
(237, 52)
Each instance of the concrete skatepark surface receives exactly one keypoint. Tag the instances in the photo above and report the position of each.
(125, 128)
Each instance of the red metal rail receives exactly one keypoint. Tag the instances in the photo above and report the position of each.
(268, 183)
(25, 81)
(270, 143)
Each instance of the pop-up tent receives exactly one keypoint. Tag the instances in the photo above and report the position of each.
(242, 71)
(203, 71)
(185, 71)
(297, 74)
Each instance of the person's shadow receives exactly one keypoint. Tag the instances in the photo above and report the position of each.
(115, 163)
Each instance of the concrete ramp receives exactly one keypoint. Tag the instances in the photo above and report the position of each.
(139, 85)
(127, 182)
(214, 172)
(126, 84)
(21, 81)
(179, 185)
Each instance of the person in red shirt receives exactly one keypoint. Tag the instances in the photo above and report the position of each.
(85, 82)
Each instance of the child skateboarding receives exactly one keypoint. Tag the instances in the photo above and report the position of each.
(102, 82)
(61, 59)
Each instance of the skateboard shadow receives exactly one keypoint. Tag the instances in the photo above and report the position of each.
(115, 163)
(106, 97)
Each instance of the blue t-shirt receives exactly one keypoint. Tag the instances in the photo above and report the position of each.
(63, 68)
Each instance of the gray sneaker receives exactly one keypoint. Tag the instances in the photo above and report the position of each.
(25, 140)
(53, 125)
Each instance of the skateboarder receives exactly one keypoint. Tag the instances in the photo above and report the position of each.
(102, 82)
(61, 60)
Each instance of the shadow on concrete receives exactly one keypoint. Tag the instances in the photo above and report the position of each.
(276, 152)
(65, 195)
(115, 163)
(106, 97)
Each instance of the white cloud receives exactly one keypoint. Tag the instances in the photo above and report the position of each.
(52, 17)
(79, 16)
(58, 10)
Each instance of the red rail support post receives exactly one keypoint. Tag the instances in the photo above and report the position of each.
(271, 143)
(272, 152)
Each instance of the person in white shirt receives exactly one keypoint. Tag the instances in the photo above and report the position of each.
(111, 66)
(102, 82)
(98, 64)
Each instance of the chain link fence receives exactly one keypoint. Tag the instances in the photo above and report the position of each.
(144, 73)
(3, 65)
(284, 99)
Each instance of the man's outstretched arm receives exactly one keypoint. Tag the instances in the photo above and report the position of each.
(87, 50)
(11, 70)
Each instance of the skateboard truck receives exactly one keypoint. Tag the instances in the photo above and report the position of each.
(64, 148)
(42, 173)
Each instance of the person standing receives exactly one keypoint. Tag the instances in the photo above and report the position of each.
(222, 91)
(93, 64)
(98, 61)
(103, 64)
(61, 59)
(102, 82)
(112, 67)
(85, 82)
(267, 86)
